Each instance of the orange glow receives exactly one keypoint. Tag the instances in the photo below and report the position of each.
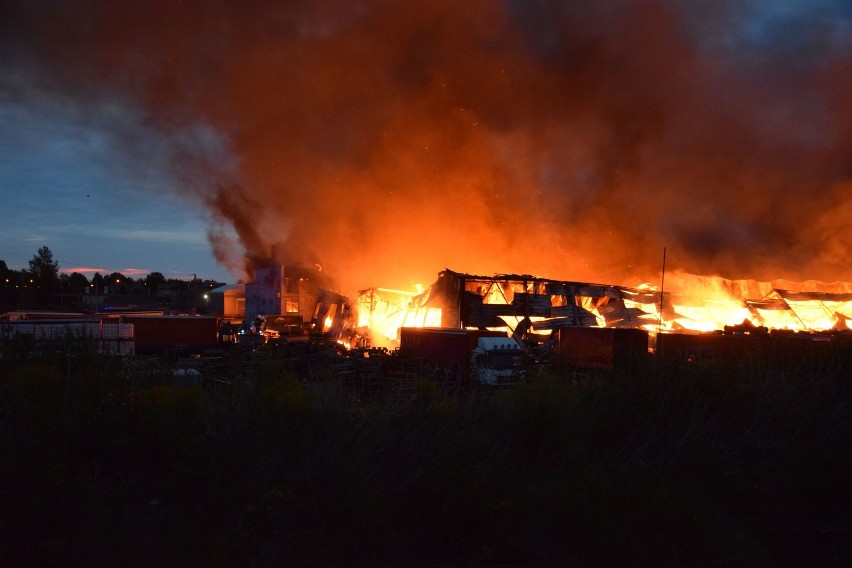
(708, 303)
(692, 304)
(381, 312)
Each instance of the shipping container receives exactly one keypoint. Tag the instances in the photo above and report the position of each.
(110, 337)
(448, 348)
(51, 330)
(602, 349)
(685, 348)
(157, 334)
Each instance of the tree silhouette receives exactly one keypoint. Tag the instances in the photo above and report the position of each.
(97, 283)
(153, 282)
(76, 283)
(44, 271)
(6, 275)
(117, 282)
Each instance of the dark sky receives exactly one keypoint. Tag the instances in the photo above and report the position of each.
(387, 140)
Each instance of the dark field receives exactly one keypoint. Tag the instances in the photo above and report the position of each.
(724, 463)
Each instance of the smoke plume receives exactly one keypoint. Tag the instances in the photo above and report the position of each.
(388, 140)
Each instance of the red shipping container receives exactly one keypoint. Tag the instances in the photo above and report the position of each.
(155, 334)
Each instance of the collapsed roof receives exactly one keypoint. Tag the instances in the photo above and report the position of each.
(460, 300)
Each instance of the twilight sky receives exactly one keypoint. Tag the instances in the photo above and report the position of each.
(386, 140)
(66, 183)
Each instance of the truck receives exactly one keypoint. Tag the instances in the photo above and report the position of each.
(484, 356)
(274, 327)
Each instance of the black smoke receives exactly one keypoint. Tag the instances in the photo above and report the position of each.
(388, 140)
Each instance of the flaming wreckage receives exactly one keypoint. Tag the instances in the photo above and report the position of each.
(489, 328)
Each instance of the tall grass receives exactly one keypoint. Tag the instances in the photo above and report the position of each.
(729, 463)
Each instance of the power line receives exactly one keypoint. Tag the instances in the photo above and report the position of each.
(13, 252)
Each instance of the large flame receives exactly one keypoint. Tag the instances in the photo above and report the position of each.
(705, 303)
(696, 304)
(382, 312)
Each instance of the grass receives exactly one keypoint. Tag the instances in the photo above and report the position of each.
(741, 463)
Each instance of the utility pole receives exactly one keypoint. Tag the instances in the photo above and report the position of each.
(662, 288)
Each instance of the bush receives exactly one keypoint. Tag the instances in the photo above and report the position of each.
(716, 463)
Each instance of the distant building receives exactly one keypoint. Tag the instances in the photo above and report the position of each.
(229, 301)
(299, 298)
(283, 290)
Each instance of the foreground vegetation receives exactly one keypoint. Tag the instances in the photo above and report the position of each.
(728, 463)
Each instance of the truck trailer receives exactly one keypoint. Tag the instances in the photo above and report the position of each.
(158, 334)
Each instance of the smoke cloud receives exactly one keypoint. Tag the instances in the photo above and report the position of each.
(388, 140)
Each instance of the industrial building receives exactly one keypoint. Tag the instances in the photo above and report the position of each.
(229, 302)
(297, 299)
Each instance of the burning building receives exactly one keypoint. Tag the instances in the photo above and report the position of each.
(507, 301)
(809, 311)
(529, 305)
(294, 299)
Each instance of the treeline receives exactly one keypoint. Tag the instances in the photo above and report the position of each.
(43, 285)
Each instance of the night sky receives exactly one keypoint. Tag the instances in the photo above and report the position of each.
(385, 141)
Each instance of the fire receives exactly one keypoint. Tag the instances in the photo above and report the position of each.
(383, 312)
(692, 304)
(776, 309)
(709, 315)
